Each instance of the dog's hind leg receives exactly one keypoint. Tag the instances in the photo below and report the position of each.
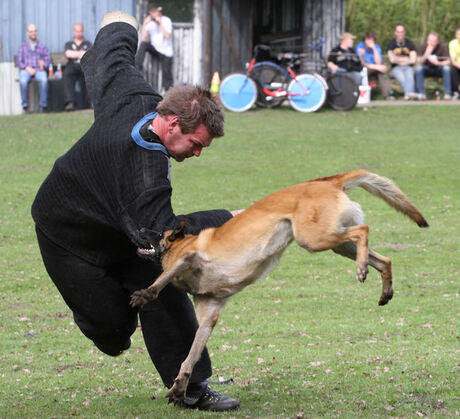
(208, 311)
(378, 262)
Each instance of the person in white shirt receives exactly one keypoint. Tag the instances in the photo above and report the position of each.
(157, 40)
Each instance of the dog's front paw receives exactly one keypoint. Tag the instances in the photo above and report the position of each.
(361, 272)
(176, 394)
(141, 297)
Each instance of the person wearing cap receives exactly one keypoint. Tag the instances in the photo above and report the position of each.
(115, 181)
(157, 41)
(343, 56)
(370, 54)
(402, 56)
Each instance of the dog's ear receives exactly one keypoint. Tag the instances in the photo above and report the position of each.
(178, 233)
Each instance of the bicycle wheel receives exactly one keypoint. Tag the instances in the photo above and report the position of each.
(268, 75)
(238, 92)
(311, 101)
(343, 92)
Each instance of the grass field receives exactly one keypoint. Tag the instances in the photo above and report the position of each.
(307, 341)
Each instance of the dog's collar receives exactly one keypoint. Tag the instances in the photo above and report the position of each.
(140, 141)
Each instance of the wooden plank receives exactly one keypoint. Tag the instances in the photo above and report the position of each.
(226, 33)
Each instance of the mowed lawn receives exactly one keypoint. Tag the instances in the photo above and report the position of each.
(307, 341)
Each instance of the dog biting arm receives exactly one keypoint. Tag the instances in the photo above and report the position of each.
(144, 296)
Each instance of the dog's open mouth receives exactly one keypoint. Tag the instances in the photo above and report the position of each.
(146, 252)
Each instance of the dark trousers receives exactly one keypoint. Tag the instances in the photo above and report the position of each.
(71, 74)
(99, 299)
(166, 62)
(455, 76)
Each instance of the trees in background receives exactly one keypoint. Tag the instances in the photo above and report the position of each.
(420, 17)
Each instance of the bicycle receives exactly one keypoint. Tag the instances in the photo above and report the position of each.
(268, 84)
(343, 90)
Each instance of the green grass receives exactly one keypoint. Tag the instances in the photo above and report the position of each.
(309, 340)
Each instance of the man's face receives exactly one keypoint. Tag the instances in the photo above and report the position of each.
(347, 43)
(432, 40)
(156, 15)
(32, 32)
(400, 32)
(78, 31)
(369, 42)
(182, 146)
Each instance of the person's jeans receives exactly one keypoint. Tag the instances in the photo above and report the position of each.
(404, 74)
(423, 71)
(42, 80)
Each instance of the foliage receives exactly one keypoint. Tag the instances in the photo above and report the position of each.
(309, 340)
(419, 17)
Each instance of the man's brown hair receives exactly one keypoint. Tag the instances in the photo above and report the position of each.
(370, 35)
(193, 105)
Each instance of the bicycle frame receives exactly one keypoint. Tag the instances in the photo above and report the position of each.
(279, 92)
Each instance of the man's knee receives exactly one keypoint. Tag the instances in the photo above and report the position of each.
(110, 337)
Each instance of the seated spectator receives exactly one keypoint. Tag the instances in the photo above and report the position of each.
(370, 54)
(454, 51)
(343, 56)
(433, 61)
(402, 56)
(33, 61)
(74, 51)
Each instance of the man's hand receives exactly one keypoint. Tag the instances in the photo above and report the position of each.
(30, 70)
(147, 19)
(433, 59)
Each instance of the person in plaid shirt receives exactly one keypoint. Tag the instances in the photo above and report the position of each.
(33, 61)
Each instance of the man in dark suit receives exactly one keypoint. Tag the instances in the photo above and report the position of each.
(112, 183)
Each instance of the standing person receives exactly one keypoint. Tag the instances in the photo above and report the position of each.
(74, 51)
(454, 51)
(370, 54)
(112, 183)
(343, 56)
(157, 40)
(433, 61)
(402, 56)
(33, 61)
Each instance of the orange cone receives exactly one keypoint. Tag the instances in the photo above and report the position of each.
(215, 83)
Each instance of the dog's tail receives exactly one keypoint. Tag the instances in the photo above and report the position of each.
(383, 188)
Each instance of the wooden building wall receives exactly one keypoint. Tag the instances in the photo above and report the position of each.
(325, 19)
(232, 27)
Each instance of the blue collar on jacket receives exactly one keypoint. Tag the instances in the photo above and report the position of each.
(136, 136)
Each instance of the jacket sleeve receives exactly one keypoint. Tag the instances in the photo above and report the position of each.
(151, 206)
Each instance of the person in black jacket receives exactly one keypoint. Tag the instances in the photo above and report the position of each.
(112, 183)
(344, 57)
(74, 51)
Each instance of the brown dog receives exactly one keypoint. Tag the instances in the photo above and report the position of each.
(220, 262)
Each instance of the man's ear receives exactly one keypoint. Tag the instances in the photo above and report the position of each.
(173, 121)
(178, 233)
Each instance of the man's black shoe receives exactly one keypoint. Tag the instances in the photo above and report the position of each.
(213, 401)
